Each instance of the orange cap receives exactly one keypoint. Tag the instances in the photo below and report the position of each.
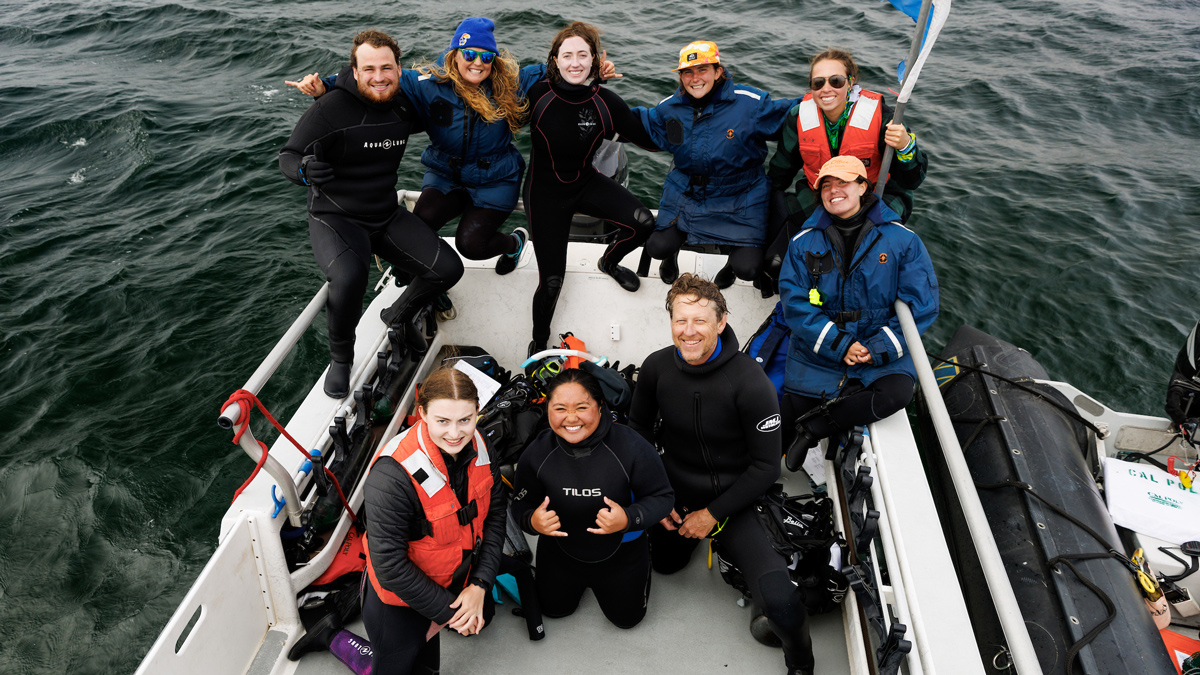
(699, 53)
(846, 167)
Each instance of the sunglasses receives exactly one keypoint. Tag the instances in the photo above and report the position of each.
(470, 55)
(837, 82)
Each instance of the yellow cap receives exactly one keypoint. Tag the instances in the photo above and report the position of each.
(698, 54)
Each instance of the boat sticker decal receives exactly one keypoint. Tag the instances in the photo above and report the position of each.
(899, 349)
(824, 332)
(946, 371)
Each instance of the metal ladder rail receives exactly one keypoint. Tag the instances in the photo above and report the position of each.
(1019, 643)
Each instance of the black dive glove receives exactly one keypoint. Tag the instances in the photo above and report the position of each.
(315, 171)
(1182, 404)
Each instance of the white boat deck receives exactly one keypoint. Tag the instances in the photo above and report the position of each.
(245, 598)
(693, 624)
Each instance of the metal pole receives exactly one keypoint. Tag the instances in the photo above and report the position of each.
(282, 348)
(898, 114)
(1019, 644)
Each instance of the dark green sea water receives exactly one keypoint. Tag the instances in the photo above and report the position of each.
(151, 253)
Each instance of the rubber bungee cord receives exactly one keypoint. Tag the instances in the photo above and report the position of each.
(243, 397)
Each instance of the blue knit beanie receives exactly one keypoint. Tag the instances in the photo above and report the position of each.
(475, 33)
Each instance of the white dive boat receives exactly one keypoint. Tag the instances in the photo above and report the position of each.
(241, 614)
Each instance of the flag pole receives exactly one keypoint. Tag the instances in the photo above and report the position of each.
(898, 114)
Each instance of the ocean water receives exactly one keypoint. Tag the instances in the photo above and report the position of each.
(151, 253)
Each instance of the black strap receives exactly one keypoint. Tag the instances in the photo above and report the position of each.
(467, 513)
(465, 516)
(1030, 390)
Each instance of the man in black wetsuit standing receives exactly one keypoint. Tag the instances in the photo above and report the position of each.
(346, 148)
(720, 437)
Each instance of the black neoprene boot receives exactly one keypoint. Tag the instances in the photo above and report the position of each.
(760, 628)
(724, 278)
(341, 360)
(534, 347)
(316, 638)
(622, 275)
(668, 269)
(337, 380)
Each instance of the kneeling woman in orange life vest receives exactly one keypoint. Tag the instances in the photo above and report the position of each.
(435, 530)
(590, 487)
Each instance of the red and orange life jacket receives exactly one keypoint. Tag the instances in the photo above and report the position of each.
(860, 137)
(452, 529)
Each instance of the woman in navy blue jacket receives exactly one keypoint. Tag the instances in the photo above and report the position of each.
(717, 191)
(840, 280)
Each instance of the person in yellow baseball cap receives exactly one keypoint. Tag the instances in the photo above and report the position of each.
(717, 192)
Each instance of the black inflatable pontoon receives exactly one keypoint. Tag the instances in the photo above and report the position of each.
(1028, 459)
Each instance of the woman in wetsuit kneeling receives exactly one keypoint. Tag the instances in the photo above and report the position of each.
(588, 487)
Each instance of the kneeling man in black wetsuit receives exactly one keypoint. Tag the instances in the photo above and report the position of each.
(346, 148)
(720, 437)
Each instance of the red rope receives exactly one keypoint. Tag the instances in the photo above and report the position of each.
(243, 398)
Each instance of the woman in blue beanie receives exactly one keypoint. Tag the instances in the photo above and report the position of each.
(471, 99)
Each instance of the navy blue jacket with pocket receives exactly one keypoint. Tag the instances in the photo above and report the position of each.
(890, 262)
(717, 190)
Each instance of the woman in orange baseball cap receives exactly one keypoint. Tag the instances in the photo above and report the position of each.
(717, 191)
(848, 363)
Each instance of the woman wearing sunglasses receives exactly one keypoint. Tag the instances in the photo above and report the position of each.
(472, 101)
(716, 192)
(570, 116)
(838, 117)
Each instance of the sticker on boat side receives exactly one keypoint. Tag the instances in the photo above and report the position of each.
(769, 424)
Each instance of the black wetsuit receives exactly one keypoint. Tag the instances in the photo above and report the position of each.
(720, 437)
(613, 462)
(356, 213)
(397, 633)
(567, 124)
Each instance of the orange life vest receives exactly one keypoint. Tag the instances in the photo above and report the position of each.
(860, 137)
(452, 530)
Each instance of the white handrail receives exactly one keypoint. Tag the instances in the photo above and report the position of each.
(229, 416)
(1020, 646)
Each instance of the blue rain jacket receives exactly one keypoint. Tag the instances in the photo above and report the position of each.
(464, 151)
(716, 190)
(891, 262)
